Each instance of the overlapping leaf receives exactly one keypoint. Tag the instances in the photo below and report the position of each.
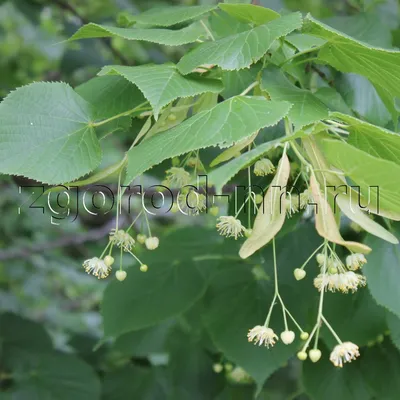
(242, 49)
(307, 108)
(223, 125)
(377, 141)
(368, 172)
(171, 15)
(381, 67)
(249, 13)
(162, 84)
(167, 37)
(383, 274)
(45, 134)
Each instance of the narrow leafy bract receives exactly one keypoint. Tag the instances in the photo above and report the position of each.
(162, 84)
(242, 49)
(170, 15)
(381, 67)
(220, 176)
(223, 125)
(325, 222)
(307, 108)
(272, 212)
(167, 37)
(351, 209)
(45, 134)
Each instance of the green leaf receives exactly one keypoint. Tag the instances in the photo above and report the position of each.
(242, 49)
(190, 368)
(162, 84)
(393, 322)
(304, 42)
(223, 25)
(355, 317)
(20, 333)
(362, 97)
(110, 96)
(377, 141)
(54, 376)
(144, 342)
(367, 172)
(165, 290)
(235, 82)
(323, 381)
(222, 175)
(167, 37)
(332, 99)
(381, 67)
(233, 151)
(132, 382)
(171, 15)
(383, 274)
(380, 366)
(365, 27)
(306, 109)
(236, 302)
(49, 124)
(223, 125)
(249, 13)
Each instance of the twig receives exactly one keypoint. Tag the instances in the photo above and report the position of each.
(68, 7)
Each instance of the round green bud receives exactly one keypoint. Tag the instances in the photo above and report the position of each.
(315, 355)
(299, 274)
(214, 210)
(120, 275)
(144, 267)
(302, 355)
(304, 335)
(109, 260)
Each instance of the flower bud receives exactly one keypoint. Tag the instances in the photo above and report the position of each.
(141, 238)
(320, 258)
(333, 270)
(299, 274)
(248, 232)
(144, 267)
(302, 355)
(228, 367)
(109, 260)
(287, 337)
(120, 275)
(315, 355)
(218, 368)
(304, 335)
(214, 210)
(152, 242)
(259, 199)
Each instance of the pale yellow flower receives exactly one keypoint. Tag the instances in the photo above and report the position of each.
(262, 335)
(344, 353)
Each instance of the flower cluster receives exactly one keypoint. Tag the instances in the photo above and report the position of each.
(337, 276)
